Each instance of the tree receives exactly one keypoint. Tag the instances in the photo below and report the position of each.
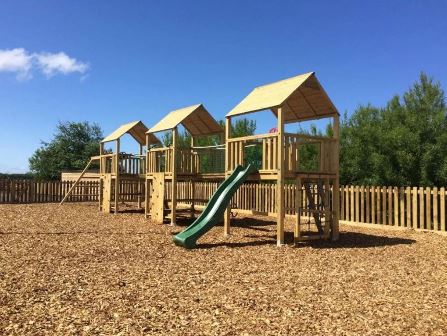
(402, 144)
(70, 149)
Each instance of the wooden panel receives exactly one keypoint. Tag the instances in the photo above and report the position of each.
(157, 197)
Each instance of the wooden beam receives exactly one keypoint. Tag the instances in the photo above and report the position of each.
(336, 185)
(100, 191)
(174, 176)
(280, 179)
(77, 181)
(227, 168)
(117, 173)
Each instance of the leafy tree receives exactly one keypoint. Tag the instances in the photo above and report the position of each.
(70, 149)
(403, 143)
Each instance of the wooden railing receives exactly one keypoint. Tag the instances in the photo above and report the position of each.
(159, 160)
(209, 159)
(188, 160)
(132, 164)
(128, 164)
(267, 145)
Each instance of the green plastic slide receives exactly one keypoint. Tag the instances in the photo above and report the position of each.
(214, 210)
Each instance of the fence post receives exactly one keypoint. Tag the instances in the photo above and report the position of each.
(442, 206)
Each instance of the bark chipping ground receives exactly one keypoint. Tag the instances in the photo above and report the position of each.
(71, 270)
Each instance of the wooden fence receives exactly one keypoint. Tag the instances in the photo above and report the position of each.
(29, 191)
(417, 208)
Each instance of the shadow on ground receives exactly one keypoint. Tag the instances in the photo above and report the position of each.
(347, 240)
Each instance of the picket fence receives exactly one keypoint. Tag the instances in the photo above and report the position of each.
(410, 207)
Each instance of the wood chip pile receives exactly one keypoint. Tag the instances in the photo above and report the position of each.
(70, 270)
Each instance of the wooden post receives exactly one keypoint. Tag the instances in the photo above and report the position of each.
(428, 208)
(196, 171)
(227, 168)
(117, 182)
(435, 209)
(174, 176)
(298, 202)
(146, 187)
(414, 222)
(101, 152)
(280, 179)
(442, 208)
(336, 186)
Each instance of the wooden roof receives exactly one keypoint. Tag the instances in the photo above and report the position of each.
(302, 97)
(195, 119)
(136, 129)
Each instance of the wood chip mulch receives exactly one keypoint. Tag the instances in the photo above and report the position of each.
(71, 270)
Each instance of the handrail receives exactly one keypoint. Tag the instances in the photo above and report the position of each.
(253, 137)
(310, 137)
(209, 147)
(162, 149)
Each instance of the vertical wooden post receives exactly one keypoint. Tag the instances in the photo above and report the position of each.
(195, 169)
(146, 187)
(442, 209)
(421, 208)
(101, 152)
(408, 208)
(428, 208)
(298, 202)
(174, 176)
(140, 171)
(336, 186)
(396, 206)
(414, 222)
(435, 209)
(227, 168)
(280, 179)
(117, 165)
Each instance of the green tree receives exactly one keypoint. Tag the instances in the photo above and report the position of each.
(403, 143)
(70, 149)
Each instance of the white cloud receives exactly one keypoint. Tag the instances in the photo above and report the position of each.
(51, 64)
(23, 63)
(17, 61)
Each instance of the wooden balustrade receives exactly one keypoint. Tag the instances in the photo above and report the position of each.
(268, 149)
(159, 160)
(128, 164)
(188, 160)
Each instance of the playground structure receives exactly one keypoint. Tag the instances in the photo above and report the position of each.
(117, 168)
(175, 163)
(296, 99)
(161, 170)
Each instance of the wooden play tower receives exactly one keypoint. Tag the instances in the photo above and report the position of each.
(296, 99)
(176, 163)
(117, 167)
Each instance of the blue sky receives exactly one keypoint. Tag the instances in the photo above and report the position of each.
(112, 62)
